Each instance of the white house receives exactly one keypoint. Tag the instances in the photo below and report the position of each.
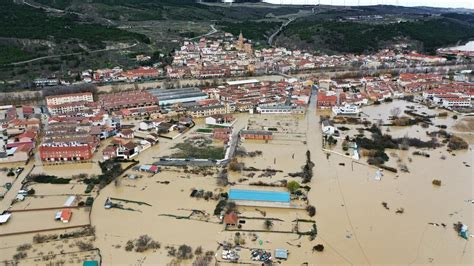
(220, 120)
(328, 127)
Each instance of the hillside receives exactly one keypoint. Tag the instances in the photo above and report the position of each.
(426, 34)
(72, 35)
(188, 10)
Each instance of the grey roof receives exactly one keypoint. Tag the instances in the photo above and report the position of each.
(327, 123)
(286, 107)
(205, 107)
(169, 94)
(256, 132)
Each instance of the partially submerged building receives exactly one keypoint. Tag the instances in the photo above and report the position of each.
(256, 134)
(262, 198)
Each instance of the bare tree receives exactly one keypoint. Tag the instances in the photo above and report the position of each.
(395, 112)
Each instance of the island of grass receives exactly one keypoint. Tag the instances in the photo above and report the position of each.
(202, 150)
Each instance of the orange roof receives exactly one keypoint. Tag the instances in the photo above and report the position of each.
(27, 134)
(231, 218)
(66, 215)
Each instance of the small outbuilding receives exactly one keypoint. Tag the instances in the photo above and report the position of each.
(66, 215)
(328, 127)
(4, 218)
(281, 253)
(231, 219)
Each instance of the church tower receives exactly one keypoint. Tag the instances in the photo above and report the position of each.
(240, 43)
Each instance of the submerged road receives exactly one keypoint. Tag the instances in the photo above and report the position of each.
(10, 195)
(326, 178)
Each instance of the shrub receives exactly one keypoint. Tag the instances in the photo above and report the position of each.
(268, 224)
(23, 247)
(235, 165)
(129, 246)
(311, 210)
(222, 178)
(184, 252)
(83, 246)
(198, 251)
(319, 248)
(20, 255)
(419, 153)
(220, 207)
(50, 179)
(293, 186)
(457, 143)
(443, 114)
(436, 182)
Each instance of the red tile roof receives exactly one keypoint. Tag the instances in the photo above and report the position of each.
(231, 218)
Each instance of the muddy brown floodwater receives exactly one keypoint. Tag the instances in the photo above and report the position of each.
(352, 224)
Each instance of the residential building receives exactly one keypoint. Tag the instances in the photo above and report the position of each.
(65, 152)
(69, 98)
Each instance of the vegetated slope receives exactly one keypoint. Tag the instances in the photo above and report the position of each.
(253, 30)
(20, 21)
(189, 10)
(354, 37)
(9, 53)
(466, 18)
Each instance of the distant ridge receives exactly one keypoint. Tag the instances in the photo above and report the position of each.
(347, 3)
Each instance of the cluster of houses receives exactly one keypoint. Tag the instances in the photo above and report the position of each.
(117, 74)
(75, 128)
(357, 92)
(132, 140)
(451, 96)
(19, 130)
(265, 97)
(227, 56)
(438, 89)
(78, 123)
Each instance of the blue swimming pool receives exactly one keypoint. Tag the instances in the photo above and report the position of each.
(259, 195)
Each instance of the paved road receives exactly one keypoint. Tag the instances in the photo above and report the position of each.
(212, 31)
(78, 53)
(270, 39)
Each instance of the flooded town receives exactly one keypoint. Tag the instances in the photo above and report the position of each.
(242, 155)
